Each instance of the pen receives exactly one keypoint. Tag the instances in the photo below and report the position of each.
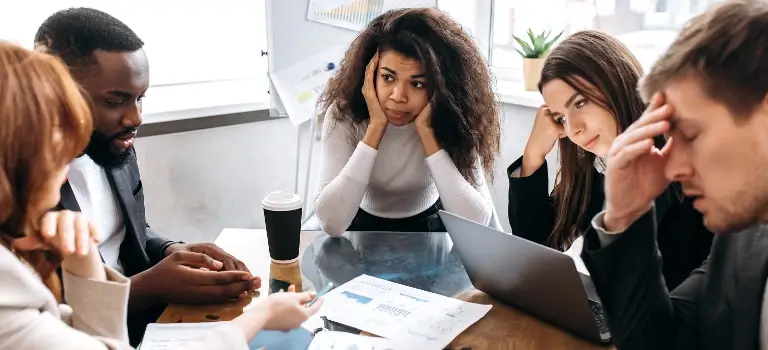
(320, 293)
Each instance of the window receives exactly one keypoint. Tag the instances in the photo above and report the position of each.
(647, 27)
(204, 55)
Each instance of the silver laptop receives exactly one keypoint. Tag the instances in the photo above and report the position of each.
(539, 280)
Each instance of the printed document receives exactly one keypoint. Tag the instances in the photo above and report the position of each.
(407, 315)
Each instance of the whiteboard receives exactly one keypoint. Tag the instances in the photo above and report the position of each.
(291, 38)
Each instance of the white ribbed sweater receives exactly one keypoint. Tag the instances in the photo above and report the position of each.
(395, 181)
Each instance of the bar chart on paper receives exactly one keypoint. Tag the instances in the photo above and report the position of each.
(354, 14)
(349, 14)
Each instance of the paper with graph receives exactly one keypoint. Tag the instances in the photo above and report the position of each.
(300, 85)
(354, 14)
(407, 315)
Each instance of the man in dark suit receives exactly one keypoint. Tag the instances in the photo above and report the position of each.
(710, 94)
(107, 60)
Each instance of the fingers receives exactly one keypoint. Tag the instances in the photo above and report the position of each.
(48, 225)
(292, 288)
(95, 233)
(545, 109)
(65, 233)
(221, 293)
(215, 278)
(71, 232)
(197, 260)
(641, 133)
(306, 297)
(370, 70)
(240, 266)
(82, 235)
(427, 110)
(626, 155)
(217, 286)
(314, 308)
(654, 113)
(657, 100)
(229, 264)
(375, 60)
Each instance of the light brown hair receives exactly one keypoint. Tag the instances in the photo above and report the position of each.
(44, 124)
(726, 50)
(467, 116)
(603, 70)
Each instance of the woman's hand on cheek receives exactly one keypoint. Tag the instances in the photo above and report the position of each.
(423, 123)
(423, 120)
(375, 112)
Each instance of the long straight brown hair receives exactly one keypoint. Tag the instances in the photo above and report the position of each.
(44, 124)
(606, 73)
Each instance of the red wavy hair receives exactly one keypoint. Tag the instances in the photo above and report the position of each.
(45, 123)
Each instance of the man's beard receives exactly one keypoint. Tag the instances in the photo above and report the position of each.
(102, 150)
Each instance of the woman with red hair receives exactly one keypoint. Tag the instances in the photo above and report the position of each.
(44, 124)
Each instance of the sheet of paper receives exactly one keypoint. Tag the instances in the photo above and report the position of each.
(355, 14)
(404, 314)
(300, 85)
(164, 336)
(328, 340)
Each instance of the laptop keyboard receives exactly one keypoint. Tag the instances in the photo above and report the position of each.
(597, 312)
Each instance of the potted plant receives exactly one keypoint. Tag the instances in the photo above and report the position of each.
(533, 54)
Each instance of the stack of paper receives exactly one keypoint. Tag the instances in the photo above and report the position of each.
(170, 336)
(407, 315)
(164, 336)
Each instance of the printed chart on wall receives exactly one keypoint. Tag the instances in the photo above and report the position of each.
(353, 14)
(400, 313)
(300, 85)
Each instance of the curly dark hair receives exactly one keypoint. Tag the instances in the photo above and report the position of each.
(467, 117)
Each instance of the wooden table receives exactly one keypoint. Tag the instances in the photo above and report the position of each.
(503, 327)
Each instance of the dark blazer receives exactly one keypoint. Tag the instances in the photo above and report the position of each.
(683, 239)
(717, 307)
(142, 248)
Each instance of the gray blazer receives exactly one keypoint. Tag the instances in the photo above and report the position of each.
(95, 317)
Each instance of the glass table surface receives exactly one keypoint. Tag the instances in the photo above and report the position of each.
(423, 260)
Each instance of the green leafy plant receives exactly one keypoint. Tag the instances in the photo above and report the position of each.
(538, 46)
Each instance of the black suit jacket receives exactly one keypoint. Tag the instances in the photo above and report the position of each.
(717, 307)
(683, 239)
(142, 248)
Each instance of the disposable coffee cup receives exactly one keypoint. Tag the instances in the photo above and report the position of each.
(282, 216)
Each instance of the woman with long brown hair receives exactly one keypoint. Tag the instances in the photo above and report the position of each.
(44, 124)
(410, 125)
(589, 84)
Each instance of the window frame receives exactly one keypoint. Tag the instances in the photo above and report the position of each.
(513, 76)
(243, 86)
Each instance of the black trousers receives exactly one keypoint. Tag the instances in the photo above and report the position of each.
(426, 221)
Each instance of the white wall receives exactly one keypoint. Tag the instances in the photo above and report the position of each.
(200, 182)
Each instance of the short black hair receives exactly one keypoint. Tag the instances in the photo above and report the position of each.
(75, 33)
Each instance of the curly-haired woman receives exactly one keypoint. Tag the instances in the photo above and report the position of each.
(410, 126)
